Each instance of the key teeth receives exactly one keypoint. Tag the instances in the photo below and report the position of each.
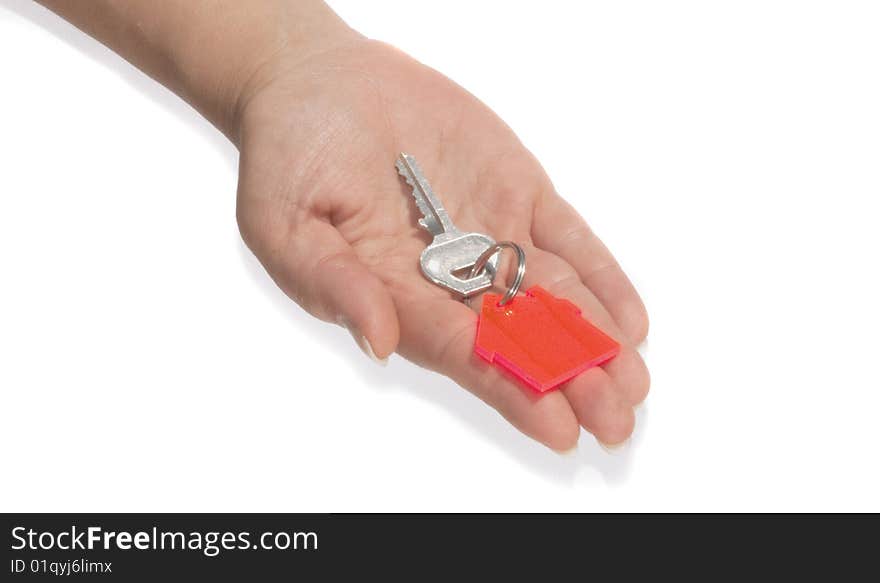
(401, 169)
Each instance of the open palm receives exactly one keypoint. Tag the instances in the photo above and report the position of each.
(322, 207)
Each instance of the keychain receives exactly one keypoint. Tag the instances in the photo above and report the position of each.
(542, 340)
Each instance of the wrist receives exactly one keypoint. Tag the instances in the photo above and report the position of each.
(219, 62)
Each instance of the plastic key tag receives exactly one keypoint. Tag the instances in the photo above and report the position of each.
(542, 340)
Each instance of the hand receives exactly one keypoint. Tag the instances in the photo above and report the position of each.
(322, 207)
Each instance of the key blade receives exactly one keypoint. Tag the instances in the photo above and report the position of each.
(422, 193)
(412, 173)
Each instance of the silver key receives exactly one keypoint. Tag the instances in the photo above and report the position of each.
(451, 251)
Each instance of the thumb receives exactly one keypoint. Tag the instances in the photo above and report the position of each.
(314, 265)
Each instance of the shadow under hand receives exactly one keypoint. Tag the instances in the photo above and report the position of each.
(122, 69)
(444, 393)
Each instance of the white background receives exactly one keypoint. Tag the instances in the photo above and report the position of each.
(728, 152)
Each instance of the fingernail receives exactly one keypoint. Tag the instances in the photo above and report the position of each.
(567, 452)
(362, 341)
(615, 448)
(368, 350)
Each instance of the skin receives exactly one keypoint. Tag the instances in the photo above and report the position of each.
(319, 114)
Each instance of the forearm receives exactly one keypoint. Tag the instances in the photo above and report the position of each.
(206, 51)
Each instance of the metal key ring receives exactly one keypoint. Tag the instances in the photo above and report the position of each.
(520, 267)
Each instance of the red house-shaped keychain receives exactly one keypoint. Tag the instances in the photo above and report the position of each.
(541, 339)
